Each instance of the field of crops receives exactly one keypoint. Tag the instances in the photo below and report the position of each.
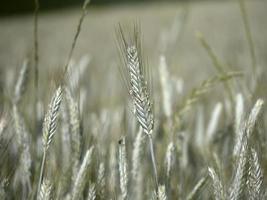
(147, 101)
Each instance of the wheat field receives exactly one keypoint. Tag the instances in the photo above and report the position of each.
(148, 101)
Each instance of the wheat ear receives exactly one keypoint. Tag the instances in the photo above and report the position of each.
(162, 193)
(49, 128)
(101, 182)
(91, 192)
(80, 180)
(218, 190)
(21, 82)
(255, 176)
(239, 180)
(123, 169)
(45, 191)
(138, 87)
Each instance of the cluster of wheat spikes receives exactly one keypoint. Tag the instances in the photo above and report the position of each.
(165, 150)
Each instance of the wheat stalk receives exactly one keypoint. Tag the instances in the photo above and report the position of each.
(195, 191)
(203, 88)
(248, 35)
(136, 157)
(84, 13)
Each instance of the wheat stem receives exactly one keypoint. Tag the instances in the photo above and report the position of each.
(248, 35)
(153, 159)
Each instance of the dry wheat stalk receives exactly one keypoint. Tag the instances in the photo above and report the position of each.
(195, 191)
(203, 88)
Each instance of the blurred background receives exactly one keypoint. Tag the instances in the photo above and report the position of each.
(168, 26)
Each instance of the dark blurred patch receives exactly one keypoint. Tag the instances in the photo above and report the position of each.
(25, 6)
(18, 6)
